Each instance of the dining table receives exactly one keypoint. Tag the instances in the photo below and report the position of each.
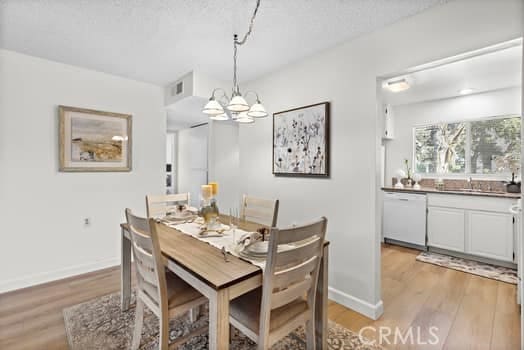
(204, 267)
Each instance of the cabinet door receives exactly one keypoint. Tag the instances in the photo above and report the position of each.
(446, 228)
(490, 235)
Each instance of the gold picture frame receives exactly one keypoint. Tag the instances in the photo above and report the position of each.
(94, 141)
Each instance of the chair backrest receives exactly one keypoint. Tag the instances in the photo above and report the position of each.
(261, 211)
(160, 205)
(139, 223)
(292, 268)
(150, 272)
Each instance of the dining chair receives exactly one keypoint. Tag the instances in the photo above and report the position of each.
(286, 299)
(164, 293)
(160, 205)
(259, 210)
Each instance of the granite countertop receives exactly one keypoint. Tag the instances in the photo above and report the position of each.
(455, 192)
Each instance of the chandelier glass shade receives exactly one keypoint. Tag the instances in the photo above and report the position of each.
(213, 107)
(237, 106)
(257, 111)
(244, 118)
(222, 116)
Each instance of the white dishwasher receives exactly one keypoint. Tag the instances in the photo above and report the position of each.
(404, 218)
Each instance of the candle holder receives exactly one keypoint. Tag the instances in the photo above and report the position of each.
(208, 206)
(416, 178)
(400, 175)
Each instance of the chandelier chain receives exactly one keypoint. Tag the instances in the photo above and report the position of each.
(237, 42)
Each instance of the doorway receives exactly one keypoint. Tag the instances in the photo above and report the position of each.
(192, 165)
(412, 104)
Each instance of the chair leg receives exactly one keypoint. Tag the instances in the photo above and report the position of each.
(310, 334)
(163, 342)
(231, 332)
(139, 321)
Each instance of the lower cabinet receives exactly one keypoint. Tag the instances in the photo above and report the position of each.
(476, 226)
(446, 228)
(490, 235)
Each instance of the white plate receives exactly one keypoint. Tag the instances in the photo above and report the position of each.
(261, 248)
(181, 215)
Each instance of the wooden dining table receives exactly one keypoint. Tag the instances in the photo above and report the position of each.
(204, 268)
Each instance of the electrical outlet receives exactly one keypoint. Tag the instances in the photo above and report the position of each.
(87, 221)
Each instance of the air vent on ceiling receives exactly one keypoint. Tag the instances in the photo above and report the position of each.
(177, 89)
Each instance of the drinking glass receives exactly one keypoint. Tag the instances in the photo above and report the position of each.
(234, 220)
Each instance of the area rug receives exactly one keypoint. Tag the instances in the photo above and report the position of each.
(498, 273)
(100, 324)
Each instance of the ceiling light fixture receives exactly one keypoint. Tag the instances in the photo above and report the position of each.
(466, 91)
(397, 85)
(218, 108)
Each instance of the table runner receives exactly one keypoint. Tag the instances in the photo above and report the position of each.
(225, 240)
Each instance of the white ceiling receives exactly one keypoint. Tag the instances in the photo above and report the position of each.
(487, 72)
(160, 40)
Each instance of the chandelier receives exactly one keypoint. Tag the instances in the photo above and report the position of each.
(236, 107)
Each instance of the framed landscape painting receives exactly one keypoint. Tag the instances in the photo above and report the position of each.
(301, 141)
(93, 140)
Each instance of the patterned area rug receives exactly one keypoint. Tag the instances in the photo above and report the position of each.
(498, 273)
(100, 324)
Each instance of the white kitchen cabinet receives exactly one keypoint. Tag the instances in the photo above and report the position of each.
(474, 225)
(446, 228)
(490, 235)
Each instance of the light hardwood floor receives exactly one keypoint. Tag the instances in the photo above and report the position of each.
(471, 312)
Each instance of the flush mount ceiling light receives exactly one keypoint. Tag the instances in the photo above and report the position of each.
(237, 104)
(466, 91)
(396, 85)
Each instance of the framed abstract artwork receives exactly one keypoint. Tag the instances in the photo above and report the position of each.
(94, 140)
(301, 141)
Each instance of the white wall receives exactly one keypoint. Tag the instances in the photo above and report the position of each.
(224, 163)
(346, 76)
(42, 210)
(489, 104)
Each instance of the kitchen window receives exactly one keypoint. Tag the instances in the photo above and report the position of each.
(488, 146)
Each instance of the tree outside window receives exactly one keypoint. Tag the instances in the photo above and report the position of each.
(493, 144)
(441, 148)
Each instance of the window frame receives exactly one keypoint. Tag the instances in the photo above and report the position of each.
(467, 169)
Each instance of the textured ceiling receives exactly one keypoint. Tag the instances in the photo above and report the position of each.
(160, 40)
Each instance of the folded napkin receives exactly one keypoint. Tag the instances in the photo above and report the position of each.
(249, 238)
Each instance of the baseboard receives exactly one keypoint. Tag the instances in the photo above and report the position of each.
(32, 280)
(356, 304)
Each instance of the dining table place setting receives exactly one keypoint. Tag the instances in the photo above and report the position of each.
(223, 256)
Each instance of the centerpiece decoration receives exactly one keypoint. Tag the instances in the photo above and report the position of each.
(409, 181)
(209, 209)
(416, 177)
(400, 175)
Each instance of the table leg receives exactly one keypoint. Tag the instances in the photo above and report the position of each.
(321, 302)
(125, 273)
(219, 320)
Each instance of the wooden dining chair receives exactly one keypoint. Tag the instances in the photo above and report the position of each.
(259, 210)
(160, 205)
(286, 299)
(165, 294)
